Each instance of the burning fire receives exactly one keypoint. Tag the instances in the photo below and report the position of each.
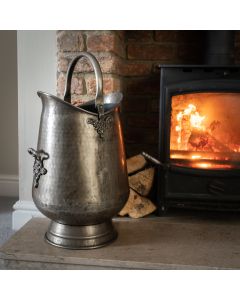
(188, 120)
(194, 117)
(202, 137)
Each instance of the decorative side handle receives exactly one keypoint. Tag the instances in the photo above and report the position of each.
(38, 167)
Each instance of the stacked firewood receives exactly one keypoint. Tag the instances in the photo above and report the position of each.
(140, 177)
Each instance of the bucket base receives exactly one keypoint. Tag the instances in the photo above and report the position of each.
(80, 237)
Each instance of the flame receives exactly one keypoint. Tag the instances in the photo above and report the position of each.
(178, 128)
(187, 120)
(195, 118)
(196, 121)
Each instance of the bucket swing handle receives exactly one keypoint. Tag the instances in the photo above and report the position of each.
(99, 102)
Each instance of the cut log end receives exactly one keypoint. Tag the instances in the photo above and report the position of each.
(135, 163)
(142, 181)
(137, 206)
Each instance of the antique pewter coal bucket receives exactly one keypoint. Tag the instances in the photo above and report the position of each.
(80, 178)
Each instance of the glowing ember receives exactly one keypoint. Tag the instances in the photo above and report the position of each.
(195, 156)
(203, 165)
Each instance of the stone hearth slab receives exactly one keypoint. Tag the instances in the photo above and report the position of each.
(149, 243)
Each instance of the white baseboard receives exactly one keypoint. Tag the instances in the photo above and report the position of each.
(8, 185)
(23, 211)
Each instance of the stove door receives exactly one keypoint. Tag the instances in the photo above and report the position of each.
(200, 145)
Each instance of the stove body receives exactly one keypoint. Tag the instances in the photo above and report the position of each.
(199, 137)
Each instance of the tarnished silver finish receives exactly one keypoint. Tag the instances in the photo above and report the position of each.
(81, 237)
(114, 97)
(86, 182)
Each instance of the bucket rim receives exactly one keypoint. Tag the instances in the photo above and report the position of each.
(39, 93)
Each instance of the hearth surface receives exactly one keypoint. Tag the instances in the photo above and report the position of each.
(172, 242)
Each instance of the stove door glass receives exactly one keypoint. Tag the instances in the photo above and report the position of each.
(205, 130)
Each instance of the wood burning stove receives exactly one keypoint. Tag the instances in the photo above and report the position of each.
(199, 142)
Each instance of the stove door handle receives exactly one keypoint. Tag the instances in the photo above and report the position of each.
(152, 159)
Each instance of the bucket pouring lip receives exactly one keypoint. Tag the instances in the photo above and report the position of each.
(113, 96)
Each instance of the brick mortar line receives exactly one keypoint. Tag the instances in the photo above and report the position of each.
(91, 75)
(95, 53)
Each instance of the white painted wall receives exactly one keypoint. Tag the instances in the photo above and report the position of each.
(8, 114)
(37, 70)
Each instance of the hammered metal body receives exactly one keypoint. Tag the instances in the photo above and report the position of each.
(86, 182)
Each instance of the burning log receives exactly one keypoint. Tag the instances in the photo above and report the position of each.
(219, 145)
(137, 206)
(199, 139)
(202, 140)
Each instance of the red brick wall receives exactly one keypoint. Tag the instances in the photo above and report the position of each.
(129, 61)
(107, 46)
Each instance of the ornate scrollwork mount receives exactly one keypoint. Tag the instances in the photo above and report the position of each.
(38, 167)
(101, 124)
